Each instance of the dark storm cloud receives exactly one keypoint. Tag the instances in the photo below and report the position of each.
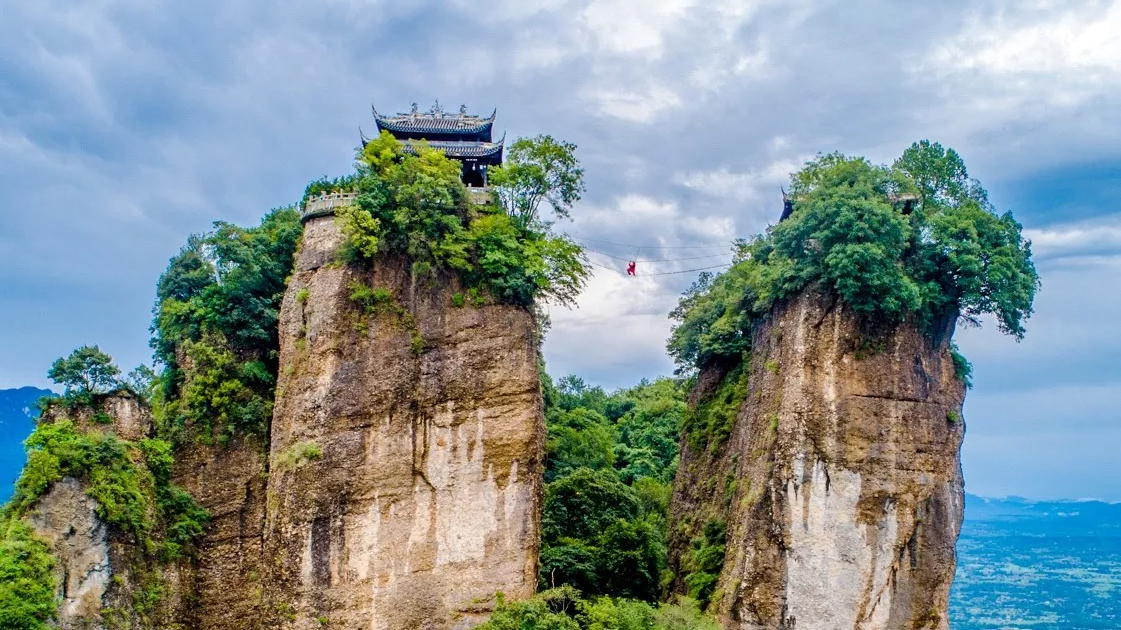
(126, 126)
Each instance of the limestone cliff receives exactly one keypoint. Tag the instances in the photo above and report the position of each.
(104, 578)
(839, 487)
(228, 480)
(406, 453)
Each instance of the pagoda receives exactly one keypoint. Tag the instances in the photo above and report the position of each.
(461, 136)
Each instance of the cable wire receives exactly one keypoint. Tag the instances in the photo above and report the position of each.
(660, 273)
(653, 260)
(632, 246)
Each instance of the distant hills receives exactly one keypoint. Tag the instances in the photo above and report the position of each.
(17, 413)
(1038, 564)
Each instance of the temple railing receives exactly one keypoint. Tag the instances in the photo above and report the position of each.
(480, 196)
(324, 204)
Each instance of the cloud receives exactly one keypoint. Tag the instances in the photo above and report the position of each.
(1100, 237)
(1075, 42)
(743, 186)
(125, 127)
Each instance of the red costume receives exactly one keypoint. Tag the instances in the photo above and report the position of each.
(630, 268)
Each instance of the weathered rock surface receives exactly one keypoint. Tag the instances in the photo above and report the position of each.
(100, 572)
(406, 452)
(65, 519)
(845, 494)
(224, 578)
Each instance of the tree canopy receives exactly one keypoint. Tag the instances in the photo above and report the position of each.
(848, 234)
(215, 326)
(86, 372)
(539, 169)
(412, 202)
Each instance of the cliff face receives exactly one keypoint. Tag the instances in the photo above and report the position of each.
(103, 579)
(224, 580)
(840, 484)
(406, 454)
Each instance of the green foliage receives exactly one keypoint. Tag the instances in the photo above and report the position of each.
(324, 184)
(963, 369)
(550, 610)
(565, 608)
(579, 439)
(131, 483)
(707, 560)
(27, 580)
(710, 422)
(611, 458)
(413, 203)
(298, 454)
(215, 327)
(222, 395)
(374, 301)
(84, 374)
(685, 614)
(952, 256)
(142, 382)
(538, 170)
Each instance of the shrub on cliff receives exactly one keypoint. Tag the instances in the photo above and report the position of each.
(565, 608)
(27, 581)
(850, 235)
(215, 327)
(413, 203)
(131, 483)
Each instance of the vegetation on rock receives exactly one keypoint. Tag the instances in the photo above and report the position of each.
(952, 256)
(215, 328)
(564, 608)
(413, 203)
(85, 373)
(129, 481)
(27, 581)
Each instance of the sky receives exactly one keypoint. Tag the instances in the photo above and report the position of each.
(126, 126)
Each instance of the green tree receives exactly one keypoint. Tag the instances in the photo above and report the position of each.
(218, 304)
(85, 373)
(578, 439)
(849, 235)
(940, 175)
(27, 580)
(538, 170)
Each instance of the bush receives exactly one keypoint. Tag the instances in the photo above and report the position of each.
(138, 499)
(27, 581)
(413, 203)
(566, 609)
(848, 234)
(298, 454)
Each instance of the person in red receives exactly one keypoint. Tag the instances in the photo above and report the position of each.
(630, 268)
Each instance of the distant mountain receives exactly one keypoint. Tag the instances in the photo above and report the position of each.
(17, 413)
(1038, 564)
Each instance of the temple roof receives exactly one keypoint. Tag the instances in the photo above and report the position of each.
(455, 149)
(435, 121)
